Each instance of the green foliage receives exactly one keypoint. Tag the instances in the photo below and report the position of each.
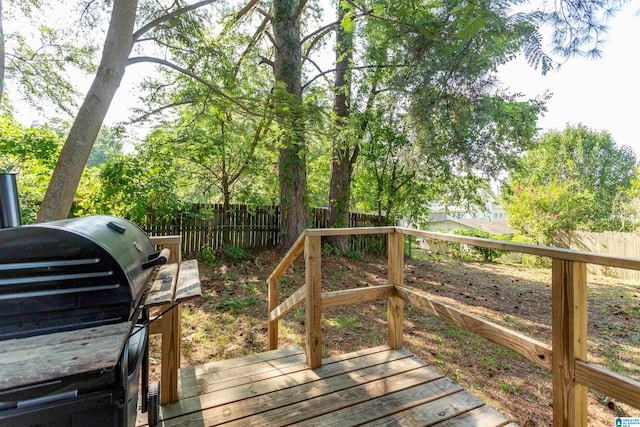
(236, 253)
(31, 152)
(208, 256)
(237, 304)
(107, 146)
(328, 249)
(354, 255)
(135, 185)
(570, 180)
(39, 57)
(487, 254)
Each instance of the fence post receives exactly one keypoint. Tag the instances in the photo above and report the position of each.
(273, 324)
(313, 311)
(569, 342)
(395, 305)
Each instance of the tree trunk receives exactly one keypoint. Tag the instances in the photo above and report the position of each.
(226, 216)
(287, 70)
(342, 158)
(73, 157)
(2, 53)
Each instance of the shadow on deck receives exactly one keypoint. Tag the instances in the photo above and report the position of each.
(377, 386)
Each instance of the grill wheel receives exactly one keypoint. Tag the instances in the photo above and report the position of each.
(153, 399)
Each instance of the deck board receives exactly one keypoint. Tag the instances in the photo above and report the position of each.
(378, 387)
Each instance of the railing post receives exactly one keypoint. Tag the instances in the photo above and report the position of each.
(395, 304)
(313, 311)
(274, 300)
(569, 329)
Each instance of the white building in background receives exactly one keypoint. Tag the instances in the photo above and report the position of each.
(490, 212)
(491, 218)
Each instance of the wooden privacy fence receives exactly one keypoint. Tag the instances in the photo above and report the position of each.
(567, 356)
(608, 242)
(244, 226)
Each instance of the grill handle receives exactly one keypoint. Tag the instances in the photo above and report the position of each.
(161, 259)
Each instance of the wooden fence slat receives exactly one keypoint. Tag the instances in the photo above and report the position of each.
(202, 225)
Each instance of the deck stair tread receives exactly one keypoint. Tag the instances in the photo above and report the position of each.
(376, 386)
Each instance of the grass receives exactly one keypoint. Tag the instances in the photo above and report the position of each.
(349, 322)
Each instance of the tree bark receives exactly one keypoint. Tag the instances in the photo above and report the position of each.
(342, 158)
(73, 157)
(287, 70)
(2, 57)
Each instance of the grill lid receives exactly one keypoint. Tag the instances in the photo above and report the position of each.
(72, 273)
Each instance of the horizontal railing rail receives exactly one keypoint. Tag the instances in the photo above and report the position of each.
(567, 356)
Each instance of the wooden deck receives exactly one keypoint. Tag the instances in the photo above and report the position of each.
(377, 386)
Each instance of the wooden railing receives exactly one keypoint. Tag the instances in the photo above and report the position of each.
(567, 356)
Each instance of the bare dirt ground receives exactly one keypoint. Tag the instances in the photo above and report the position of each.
(230, 321)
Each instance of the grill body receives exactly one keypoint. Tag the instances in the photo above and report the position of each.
(67, 275)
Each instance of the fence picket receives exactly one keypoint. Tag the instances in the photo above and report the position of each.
(249, 227)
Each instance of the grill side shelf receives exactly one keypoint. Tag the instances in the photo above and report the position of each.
(42, 358)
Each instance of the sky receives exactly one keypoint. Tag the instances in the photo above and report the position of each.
(602, 94)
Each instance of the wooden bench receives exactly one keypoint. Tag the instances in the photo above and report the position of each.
(174, 283)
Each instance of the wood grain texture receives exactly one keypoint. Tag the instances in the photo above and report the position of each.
(612, 384)
(569, 341)
(188, 282)
(533, 350)
(395, 305)
(172, 243)
(313, 301)
(357, 295)
(42, 358)
(271, 389)
(274, 299)
(293, 301)
(163, 286)
(165, 240)
(277, 394)
(170, 353)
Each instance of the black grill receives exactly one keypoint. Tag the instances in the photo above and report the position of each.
(70, 275)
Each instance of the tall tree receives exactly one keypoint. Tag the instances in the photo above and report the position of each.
(73, 157)
(345, 148)
(289, 111)
(569, 180)
(75, 152)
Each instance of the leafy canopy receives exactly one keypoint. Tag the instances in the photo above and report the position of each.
(570, 180)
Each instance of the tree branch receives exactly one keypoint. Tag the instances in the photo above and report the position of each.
(298, 11)
(160, 109)
(319, 37)
(362, 67)
(140, 59)
(168, 16)
(254, 40)
(328, 27)
(317, 68)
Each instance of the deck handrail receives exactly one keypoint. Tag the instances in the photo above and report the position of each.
(619, 261)
(567, 357)
(287, 260)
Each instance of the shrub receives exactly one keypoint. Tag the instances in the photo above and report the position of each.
(208, 256)
(236, 253)
(487, 254)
